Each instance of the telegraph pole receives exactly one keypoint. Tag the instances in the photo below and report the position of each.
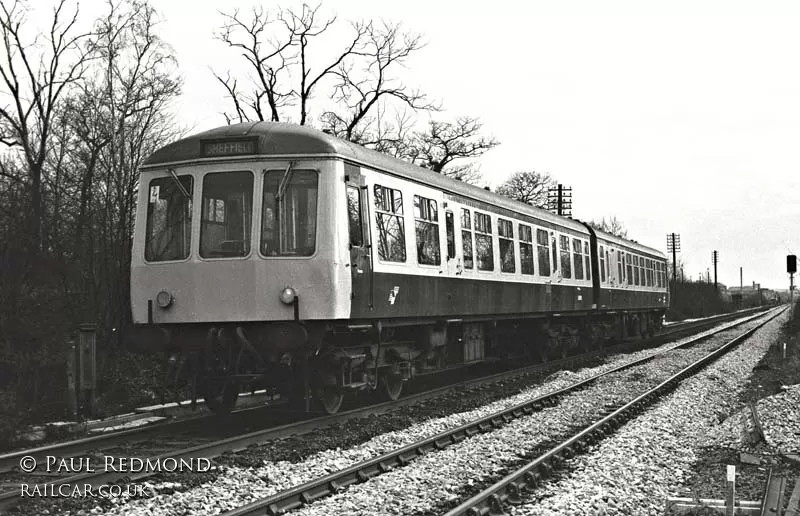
(559, 200)
(715, 261)
(791, 268)
(674, 245)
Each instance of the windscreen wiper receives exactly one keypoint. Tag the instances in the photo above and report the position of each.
(287, 176)
(178, 183)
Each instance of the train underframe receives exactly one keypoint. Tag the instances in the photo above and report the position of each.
(316, 365)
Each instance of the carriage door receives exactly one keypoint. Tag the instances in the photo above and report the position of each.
(453, 263)
(359, 243)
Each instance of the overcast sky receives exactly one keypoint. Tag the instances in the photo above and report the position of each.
(678, 116)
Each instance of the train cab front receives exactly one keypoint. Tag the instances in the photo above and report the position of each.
(228, 262)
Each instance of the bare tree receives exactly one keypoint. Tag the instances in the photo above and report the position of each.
(613, 225)
(276, 47)
(302, 28)
(467, 173)
(266, 56)
(36, 77)
(373, 106)
(364, 83)
(444, 142)
(139, 80)
(527, 186)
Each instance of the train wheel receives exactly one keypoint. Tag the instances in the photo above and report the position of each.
(330, 397)
(220, 396)
(392, 386)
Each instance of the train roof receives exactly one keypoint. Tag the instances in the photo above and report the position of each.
(277, 139)
(630, 244)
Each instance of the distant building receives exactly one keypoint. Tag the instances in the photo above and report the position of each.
(750, 295)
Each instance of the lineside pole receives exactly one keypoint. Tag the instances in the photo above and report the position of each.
(674, 260)
(791, 304)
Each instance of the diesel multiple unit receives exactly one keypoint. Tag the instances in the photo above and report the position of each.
(274, 255)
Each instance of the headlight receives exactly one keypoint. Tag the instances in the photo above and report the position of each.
(287, 296)
(164, 299)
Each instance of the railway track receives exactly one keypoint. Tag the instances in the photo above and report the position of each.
(75, 448)
(515, 486)
(301, 495)
(235, 443)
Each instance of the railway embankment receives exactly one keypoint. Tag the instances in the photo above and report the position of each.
(771, 393)
(238, 483)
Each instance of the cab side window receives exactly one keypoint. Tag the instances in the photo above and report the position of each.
(354, 216)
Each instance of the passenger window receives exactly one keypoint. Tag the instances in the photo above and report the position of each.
(629, 267)
(449, 225)
(390, 224)
(426, 216)
(543, 252)
(227, 214)
(642, 281)
(483, 242)
(354, 216)
(601, 255)
(505, 233)
(577, 255)
(587, 260)
(566, 265)
(169, 219)
(466, 238)
(525, 249)
(289, 213)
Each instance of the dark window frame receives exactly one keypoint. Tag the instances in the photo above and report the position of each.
(355, 227)
(526, 257)
(543, 252)
(577, 257)
(507, 258)
(602, 265)
(483, 234)
(388, 205)
(565, 256)
(309, 251)
(587, 261)
(466, 239)
(186, 214)
(227, 248)
(426, 227)
(450, 234)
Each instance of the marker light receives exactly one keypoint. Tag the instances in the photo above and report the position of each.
(164, 299)
(287, 295)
